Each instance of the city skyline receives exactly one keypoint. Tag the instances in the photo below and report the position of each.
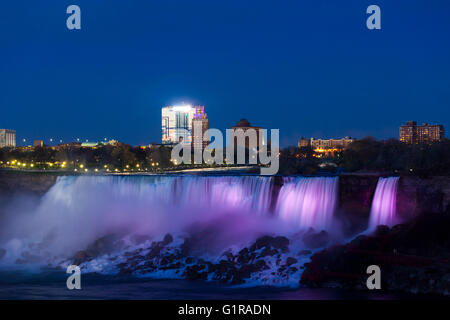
(189, 127)
(261, 63)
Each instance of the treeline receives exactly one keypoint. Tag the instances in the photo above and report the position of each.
(369, 154)
(116, 156)
(365, 155)
(295, 160)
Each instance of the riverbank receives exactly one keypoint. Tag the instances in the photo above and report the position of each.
(19, 182)
(413, 258)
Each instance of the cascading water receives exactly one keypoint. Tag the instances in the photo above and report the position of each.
(383, 210)
(217, 212)
(139, 224)
(308, 202)
(78, 210)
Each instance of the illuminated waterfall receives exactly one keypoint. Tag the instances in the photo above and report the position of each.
(383, 210)
(308, 202)
(77, 211)
(303, 202)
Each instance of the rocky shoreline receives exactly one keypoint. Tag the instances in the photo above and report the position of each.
(413, 258)
(269, 260)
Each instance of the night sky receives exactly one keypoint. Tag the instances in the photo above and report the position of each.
(309, 68)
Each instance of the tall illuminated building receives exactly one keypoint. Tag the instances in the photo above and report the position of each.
(7, 138)
(200, 124)
(177, 124)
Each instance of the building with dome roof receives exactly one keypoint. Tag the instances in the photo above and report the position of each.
(245, 125)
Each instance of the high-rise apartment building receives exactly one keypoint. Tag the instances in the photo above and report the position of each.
(200, 124)
(426, 133)
(177, 124)
(7, 138)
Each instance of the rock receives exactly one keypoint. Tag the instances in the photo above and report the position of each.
(176, 265)
(246, 270)
(381, 230)
(262, 242)
(164, 261)
(316, 240)
(167, 239)
(304, 252)
(279, 242)
(290, 261)
(189, 260)
(195, 272)
(228, 255)
(292, 270)
(155, 250)
(187, 247)
(261, 265)
(80, 257)
(267, 251)
(425, 272)
(104, 245)
(243, 256)
(28, 183)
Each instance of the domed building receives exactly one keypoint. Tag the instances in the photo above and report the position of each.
(245, 125)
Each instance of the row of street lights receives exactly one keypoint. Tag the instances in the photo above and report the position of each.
(52, 140)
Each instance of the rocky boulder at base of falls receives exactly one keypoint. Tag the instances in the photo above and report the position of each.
(267, 258)
(413, 258)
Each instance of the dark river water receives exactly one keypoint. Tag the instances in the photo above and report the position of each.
(52, 285)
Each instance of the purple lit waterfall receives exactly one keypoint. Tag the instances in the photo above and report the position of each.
(226, 210)
(384, 203)
(308, 202)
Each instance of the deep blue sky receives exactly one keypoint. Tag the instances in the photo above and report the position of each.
(309, 68)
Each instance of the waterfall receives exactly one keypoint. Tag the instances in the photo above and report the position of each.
(245, 192)
(77, 211)
(308, 202)
(304, 202)
(383, 210)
